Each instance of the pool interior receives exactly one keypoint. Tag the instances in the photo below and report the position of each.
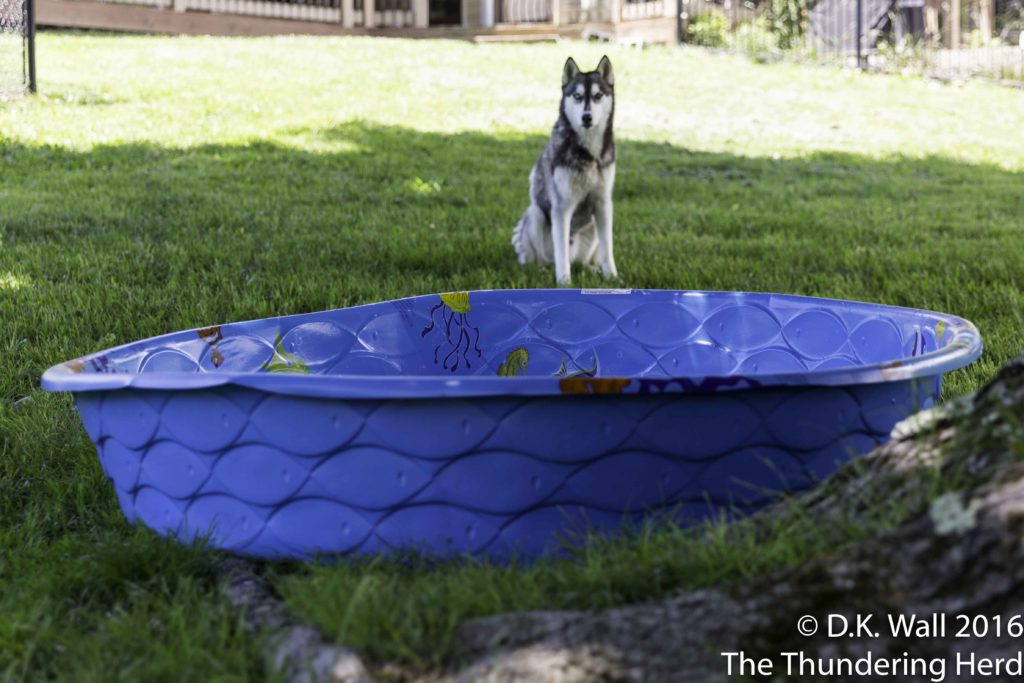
(555, 333)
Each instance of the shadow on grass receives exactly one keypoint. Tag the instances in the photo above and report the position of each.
(132, 240)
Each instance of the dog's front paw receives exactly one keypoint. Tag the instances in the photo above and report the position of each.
(609, 271)
(563, 274)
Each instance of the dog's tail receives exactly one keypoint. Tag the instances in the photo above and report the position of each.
(521, 240)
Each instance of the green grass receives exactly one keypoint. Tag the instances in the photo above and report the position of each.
(407, 611)
(157, 184)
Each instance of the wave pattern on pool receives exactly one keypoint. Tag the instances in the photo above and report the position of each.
(489, 423)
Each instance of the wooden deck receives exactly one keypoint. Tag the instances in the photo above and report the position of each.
(140, 19)
(95, 14)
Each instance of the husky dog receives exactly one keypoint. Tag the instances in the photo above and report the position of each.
(570, 213)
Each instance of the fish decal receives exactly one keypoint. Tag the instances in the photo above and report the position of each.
(515, 363)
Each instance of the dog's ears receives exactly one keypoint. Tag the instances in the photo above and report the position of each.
(604, 67)
(569, 71)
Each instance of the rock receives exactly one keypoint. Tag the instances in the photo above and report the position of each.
(348, 668)
(296, 650)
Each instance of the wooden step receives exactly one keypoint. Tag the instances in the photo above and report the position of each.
(518, 38)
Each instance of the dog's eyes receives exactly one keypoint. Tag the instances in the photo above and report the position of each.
(578, 97)
(598, 96)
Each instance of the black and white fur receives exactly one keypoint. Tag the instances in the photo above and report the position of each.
(570, 213)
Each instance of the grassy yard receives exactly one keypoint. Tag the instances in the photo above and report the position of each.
(157, 184)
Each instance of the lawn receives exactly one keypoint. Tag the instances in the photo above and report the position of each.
(158, 184)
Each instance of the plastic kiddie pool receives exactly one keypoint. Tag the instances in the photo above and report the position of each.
(490, 423)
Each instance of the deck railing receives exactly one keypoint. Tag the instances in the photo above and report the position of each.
(647, 9)
(524, 11)
(581, 11)
(349, 13)
(311, 10)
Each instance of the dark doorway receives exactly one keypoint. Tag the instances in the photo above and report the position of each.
(445, 12)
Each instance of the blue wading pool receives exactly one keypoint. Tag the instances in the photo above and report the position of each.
(491, 423)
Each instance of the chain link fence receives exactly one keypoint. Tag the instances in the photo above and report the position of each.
(952, 39)
(17, 48)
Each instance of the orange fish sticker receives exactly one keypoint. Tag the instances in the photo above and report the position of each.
(592, 385)
(210, 335)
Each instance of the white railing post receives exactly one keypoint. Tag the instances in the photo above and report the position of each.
(180, 5)
(348, 14)
(369, 14)
(954, 24)
(986, 13)
(616, 7)
(420, 13)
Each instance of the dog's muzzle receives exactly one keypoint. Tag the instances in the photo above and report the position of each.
(588, 120)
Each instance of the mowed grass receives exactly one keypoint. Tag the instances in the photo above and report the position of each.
(159, 183)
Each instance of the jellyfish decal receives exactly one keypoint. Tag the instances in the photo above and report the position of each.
(454, 309)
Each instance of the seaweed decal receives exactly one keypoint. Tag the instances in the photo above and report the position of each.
(405, 308)
(282, 361)
(579, 372)
(212, 336)
(76, 366)
(919, 339)
(454, 309)
(514, 363)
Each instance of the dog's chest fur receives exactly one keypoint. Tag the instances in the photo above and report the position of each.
(579, 184)
(574, 167)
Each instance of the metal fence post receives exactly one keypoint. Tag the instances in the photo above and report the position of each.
(30, 36)
(679, 21)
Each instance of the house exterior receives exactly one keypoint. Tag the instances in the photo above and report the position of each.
(634, 20)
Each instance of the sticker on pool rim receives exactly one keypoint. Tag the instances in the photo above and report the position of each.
(606, 291)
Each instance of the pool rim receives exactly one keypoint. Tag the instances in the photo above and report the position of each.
(963, 348)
